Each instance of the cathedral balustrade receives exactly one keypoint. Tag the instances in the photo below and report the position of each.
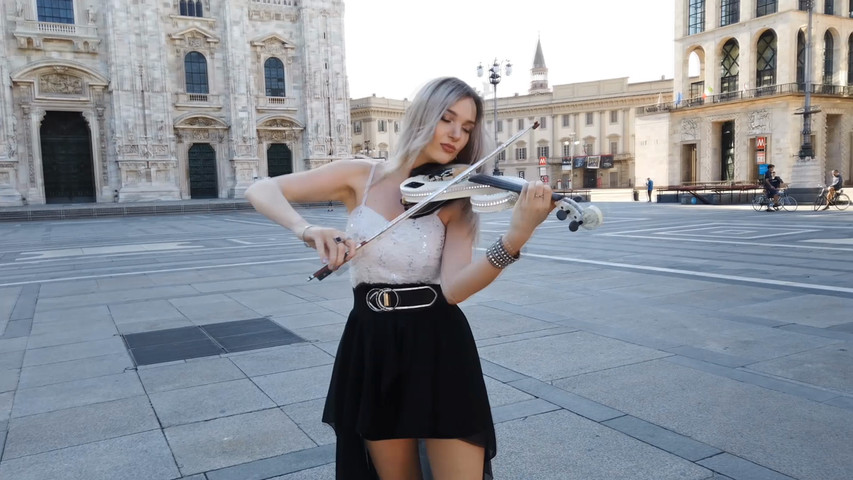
(31, 34)
(197, 100)
(276, 103)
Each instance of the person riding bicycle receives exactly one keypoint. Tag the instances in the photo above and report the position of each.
(834, 188)
(771, 188)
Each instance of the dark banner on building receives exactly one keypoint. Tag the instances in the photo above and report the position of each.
(607, 161)
(580, 162)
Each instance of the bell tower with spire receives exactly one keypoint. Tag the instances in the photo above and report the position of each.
(539, 72)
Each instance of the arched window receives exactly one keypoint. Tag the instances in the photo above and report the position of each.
(850, 60)
(801, 59)
(729, 67)
(190, 8)
(766, 65)
(195, 67)
(765, 7)
(828, 49)
(274, 77)
(55, 11)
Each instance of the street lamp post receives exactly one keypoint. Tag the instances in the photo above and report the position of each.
(806, 148)
(495, 79)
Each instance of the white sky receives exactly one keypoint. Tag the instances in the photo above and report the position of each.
(395, 46)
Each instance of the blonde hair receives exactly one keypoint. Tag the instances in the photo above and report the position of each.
(424, 113)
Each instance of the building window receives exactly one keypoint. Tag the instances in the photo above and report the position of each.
(850, 60)
(521, 153)
(729, 67)
(520, 124)
(543, 151)
(828, 49)
(502, 156)
(587, 149)
(614, 116)
(765, 7)
(804, 5)
(614, 147)
(195, 67)
(381, 125)
(589, 118)
(55, 11)
(356, 127)
(396, 127)
(801, 59)
(566, 120)
(567, 149)
(766, 64)
(696, 20)
(829, 7)
(274, 77)
(500, 126)
(697, 89)
(729, 12)
(521, 174)
(191, 8)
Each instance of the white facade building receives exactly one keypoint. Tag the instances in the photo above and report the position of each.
(166, 100)
(741, 71)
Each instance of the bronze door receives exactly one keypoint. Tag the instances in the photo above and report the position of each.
(279, 160)
(66, 157)
(202, 163)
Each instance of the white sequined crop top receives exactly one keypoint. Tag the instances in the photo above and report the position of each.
(408, 253)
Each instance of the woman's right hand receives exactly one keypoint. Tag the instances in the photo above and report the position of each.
(331, 244)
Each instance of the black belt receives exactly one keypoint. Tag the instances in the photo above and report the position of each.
(389, 299)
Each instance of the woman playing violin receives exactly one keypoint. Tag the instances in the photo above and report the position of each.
(407, 367)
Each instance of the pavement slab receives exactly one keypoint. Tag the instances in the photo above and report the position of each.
(234, 440)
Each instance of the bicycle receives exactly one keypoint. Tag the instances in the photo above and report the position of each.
(786, 202)
(841, 200)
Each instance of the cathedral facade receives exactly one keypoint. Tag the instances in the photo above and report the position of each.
(166, 100)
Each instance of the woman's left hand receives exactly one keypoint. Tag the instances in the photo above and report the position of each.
(533, 206)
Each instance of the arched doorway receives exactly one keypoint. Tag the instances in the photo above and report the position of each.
(66, 154)
(202, 165)
(279, 160)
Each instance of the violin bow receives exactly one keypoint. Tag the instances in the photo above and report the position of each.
(326, 271)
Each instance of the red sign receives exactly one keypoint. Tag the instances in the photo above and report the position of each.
(760, 143)
(543, 161)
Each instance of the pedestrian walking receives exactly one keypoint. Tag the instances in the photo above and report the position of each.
(649, 186)
(407, 367)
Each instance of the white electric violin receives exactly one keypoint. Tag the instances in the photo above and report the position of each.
(488, 194)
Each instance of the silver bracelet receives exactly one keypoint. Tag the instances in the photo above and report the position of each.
(499, 256)
(302, 234)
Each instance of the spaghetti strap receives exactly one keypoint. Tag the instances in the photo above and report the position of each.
(367, 186)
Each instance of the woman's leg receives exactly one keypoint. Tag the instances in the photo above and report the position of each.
(395, 459)
(453, 459)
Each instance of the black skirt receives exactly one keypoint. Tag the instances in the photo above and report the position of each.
(406, 374)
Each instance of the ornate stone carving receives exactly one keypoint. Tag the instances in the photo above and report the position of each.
(689, 128)
(759, 121)
(60, 83)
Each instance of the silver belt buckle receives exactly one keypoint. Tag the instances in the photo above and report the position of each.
(388, 299)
